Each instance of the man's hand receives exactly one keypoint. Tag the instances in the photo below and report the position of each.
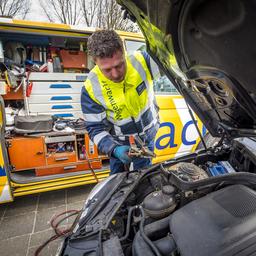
(121, 152)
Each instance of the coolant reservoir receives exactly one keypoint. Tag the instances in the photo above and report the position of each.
(160, 204)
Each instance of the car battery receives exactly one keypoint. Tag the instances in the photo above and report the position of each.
(220, 168)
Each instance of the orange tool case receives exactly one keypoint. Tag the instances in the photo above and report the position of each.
(73, 59)
(37, 156)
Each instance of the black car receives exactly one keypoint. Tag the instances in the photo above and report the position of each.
(202, 204)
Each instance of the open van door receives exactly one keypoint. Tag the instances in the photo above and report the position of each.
(5, 188)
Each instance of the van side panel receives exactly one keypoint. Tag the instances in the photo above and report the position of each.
(5, 191)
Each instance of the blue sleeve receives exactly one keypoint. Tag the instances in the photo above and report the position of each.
(97, 124)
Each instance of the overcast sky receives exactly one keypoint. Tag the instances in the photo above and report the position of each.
(36, 12)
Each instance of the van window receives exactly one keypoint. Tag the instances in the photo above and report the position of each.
(162, 85)
(132, 46)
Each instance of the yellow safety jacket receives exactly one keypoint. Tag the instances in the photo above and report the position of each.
(119, 109)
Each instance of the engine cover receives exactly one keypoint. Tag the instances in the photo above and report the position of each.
(221, 223)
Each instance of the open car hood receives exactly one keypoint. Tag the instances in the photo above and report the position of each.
(207, 48)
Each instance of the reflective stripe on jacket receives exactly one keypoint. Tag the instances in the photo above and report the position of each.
(115, 110)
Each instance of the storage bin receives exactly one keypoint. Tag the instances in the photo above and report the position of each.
(73, 59)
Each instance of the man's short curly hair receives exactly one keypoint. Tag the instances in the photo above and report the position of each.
(104, 43)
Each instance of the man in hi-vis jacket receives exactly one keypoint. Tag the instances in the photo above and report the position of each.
(117, 100)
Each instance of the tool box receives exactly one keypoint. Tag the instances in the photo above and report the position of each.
(73, 59)
(48, 155)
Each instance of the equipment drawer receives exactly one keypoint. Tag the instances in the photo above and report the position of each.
(56, 88)
(61, 98)
(54, 107)
(61, 158)
(74, 167)
(38, 76)
(64, 114)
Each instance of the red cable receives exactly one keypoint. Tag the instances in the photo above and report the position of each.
(58, 232)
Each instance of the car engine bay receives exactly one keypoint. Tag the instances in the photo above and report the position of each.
(199, 204)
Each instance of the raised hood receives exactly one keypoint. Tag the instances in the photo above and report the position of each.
(208, 49)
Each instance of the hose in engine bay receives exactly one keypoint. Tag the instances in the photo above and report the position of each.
(128, 225)
(144, 236)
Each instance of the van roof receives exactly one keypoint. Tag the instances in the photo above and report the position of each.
(7, 24)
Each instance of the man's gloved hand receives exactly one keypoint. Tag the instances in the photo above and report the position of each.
(121, 152)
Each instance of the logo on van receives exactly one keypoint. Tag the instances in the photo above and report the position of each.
(162, 142)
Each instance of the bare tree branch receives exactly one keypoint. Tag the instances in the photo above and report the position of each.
(3, 6)
(112, 17)
(64, 11)
(90, 10)
(15, 8)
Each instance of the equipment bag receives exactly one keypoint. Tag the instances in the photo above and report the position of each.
(33, 124)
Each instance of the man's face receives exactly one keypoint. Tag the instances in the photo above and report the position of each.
(113, 68)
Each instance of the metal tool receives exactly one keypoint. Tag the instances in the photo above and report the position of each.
(139, 149)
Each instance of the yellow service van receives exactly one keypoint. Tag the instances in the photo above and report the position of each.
(43, 67)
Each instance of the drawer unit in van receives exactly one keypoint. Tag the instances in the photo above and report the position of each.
(64, 155)
(60, 149)
(56, 94)
(53, 154)
(66, 168)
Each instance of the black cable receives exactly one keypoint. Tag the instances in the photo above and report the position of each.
(128, 225)
(90, 166)
(144, 236)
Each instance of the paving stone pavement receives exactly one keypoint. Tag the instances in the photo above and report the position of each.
(25, 223)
